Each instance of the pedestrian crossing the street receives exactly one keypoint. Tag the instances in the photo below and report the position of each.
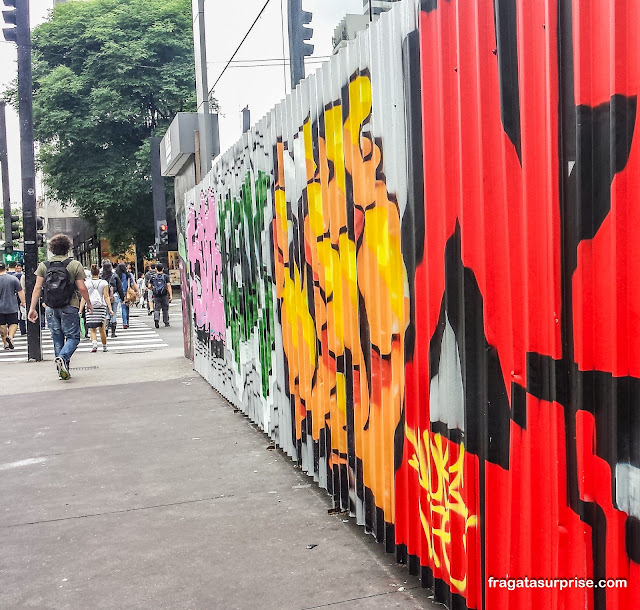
(139, 337)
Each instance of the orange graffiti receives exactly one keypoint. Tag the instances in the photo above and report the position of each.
(343, 295)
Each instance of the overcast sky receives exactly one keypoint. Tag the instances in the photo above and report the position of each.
(259, 87)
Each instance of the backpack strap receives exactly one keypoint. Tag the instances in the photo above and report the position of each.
(65, 262)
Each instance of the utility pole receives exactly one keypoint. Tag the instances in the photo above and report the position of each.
(6, 193)
(11, 222)
(246, 119)
(208, 134)
(299, 33)
(21, 34)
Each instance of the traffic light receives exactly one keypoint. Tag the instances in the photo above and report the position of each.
(164, 234)
(11, 19)
(12, 232)
(40, 239)
(15, 227)
(299, 33)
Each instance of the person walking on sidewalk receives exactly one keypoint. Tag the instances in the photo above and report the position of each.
(160, 285)
(100, 297)
(147, 280)
(117, 294)
(22, 316)
(142, 291)
(62, 278)
(130, 291)
(10, 291)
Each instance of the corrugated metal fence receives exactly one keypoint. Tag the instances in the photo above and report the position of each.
(419, 275)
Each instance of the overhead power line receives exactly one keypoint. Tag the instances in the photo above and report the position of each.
(240, 45)
(248, 63)
(69, 55)
(275, 64)
(280, 59)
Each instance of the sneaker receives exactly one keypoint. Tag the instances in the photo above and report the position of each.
(94, 349)
(157, 322)
(104, 348)
(10, 344)
(167, 324)
(63, 368)
(125, 326)
(149, 313)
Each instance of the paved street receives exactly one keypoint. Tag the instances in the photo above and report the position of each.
(134, 485)
(138, 337)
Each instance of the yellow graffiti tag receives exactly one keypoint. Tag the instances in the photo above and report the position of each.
(442, 482)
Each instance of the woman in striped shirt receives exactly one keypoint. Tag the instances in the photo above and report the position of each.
(101, 302)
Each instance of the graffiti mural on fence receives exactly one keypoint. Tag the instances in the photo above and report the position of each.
(340, 284)
(206, 270)
(503, 304)
(248, 300)
(424, 276)
(185, 293)
(228, 226)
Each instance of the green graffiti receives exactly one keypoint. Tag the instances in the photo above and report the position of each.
(182, 247)
(248, 292)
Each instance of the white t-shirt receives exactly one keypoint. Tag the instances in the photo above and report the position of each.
(96, 292)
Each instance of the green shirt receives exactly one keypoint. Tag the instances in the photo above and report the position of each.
(75, 270)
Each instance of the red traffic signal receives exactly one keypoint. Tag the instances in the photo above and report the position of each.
(164, 234)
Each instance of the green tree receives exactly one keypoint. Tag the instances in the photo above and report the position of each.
(108, 74)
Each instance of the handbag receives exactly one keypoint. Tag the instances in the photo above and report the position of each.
(131, 296)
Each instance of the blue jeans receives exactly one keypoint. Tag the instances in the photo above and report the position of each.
(125, 314)
(64, 326)
(116, 308)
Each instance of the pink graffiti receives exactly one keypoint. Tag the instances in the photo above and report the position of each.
(205, 262)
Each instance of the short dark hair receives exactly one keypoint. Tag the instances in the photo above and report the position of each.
(60, 245)
(159, 267)
(3, 265)
(12, 264)
(153, 265)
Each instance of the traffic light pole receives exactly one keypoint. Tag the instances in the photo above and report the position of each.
(299, 34)
(159, 202)
(27, 159)
(6, 193)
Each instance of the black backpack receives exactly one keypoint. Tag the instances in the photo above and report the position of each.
(59, 288)
(159, 285)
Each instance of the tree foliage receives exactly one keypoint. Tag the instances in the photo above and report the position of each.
(108, 74)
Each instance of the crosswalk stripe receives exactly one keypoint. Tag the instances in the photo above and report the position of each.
(138, 337)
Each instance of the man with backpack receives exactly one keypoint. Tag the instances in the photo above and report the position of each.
(160, 285)
(61, 278)
(10, 292)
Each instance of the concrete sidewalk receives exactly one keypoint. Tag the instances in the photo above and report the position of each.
(154, 493)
